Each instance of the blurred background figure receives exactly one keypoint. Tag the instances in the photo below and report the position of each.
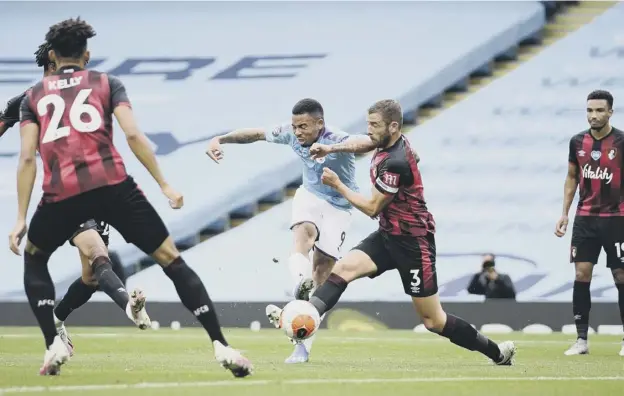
(490, 283)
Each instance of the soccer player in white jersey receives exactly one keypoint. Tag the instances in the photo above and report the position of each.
(320, 216)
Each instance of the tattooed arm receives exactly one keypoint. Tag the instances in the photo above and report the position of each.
(238, 136)
(243, 136)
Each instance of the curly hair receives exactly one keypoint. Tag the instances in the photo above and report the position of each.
(69, 37)
(41, 56)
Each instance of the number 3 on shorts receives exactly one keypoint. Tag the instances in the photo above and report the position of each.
(77, 109)
(416, 279)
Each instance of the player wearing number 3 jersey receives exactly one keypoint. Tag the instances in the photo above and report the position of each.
(405, 238)
(68, 116)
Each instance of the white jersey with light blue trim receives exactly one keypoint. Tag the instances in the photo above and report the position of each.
(341, 163)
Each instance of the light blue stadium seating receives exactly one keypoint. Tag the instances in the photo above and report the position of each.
(411, 51)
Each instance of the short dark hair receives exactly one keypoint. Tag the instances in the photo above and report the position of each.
(69, 37)
(601, 95)
(41, 56)
(308, 106)
(390, 111)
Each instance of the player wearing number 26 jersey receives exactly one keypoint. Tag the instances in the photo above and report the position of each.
(84, 287)
(68, 117)
(81, 100)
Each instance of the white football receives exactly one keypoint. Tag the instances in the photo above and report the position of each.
(300, 320)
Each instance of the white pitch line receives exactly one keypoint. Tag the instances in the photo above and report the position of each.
(331, 338)
(164, 385)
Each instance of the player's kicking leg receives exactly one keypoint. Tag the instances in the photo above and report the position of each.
(322, 266)
(357, 264)
(305, 234)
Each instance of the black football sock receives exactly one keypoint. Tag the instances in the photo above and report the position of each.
(328, 294)
(77, 295)
(461, 333)
(581, 305)
(194, 296)
(620, 287)
(40, 292)
(109, 282)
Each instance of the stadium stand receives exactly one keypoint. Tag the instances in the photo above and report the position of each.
(493, 168)
(182, 98)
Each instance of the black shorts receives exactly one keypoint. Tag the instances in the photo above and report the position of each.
(413, 257)
(592, 233)
(123, 206)
(101, 227)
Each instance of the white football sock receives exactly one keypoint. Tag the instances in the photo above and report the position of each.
(309, 341)
(300, 267)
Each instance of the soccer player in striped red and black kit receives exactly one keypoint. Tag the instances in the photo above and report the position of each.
(81, 290)
(596, 165)
(68, 117)
(405, 238)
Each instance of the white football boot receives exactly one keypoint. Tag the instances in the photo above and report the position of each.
(508, 350)
(232, 360)
(136, 310)
(274, 313)
(622, 350)
(54, 358)
(580, 347)
(64, 335)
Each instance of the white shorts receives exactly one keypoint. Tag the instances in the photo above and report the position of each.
(331, 223)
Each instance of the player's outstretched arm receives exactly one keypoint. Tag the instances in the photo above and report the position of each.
(243, 136)
(369, 206)
(237, 136)
(354, 144)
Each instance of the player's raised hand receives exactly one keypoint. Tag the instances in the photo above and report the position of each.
(16, 236)
(330, 178)
(214, 150)
(319, 150)
(562, 226)
(176, 200)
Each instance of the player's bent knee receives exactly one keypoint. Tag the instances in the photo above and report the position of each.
(434, 324)
(354, 265)
(166, 253)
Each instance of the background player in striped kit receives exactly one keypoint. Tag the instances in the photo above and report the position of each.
(595, 165)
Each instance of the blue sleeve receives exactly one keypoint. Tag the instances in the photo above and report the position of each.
(280, 134)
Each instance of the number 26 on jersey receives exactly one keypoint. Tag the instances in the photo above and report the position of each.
(77, 109)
